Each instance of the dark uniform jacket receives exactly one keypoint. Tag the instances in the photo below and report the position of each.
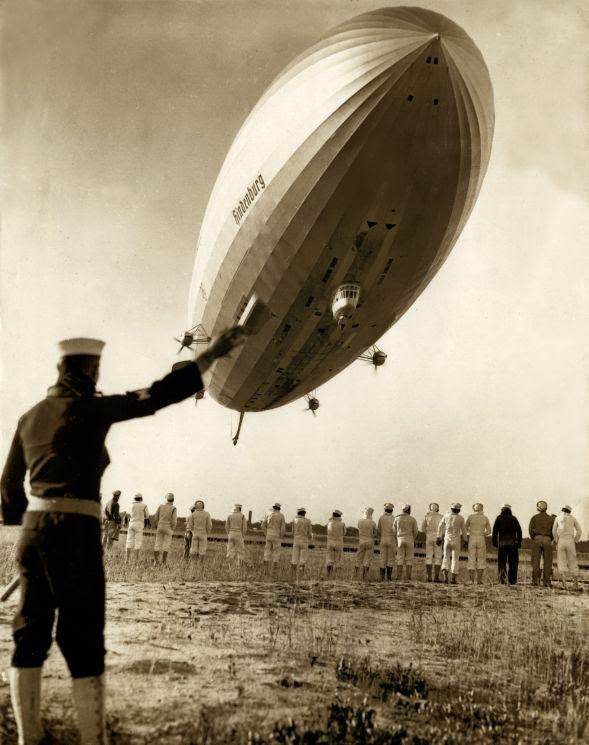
(541, 524)
(112, 511)
(60, 441)
(507, 530)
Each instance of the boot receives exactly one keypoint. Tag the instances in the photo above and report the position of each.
(382, 573)
(329, 570)
(365, 571)
(437, 568)
(390, 573)
(408, 571)
(444, 574)
(89, 704)
(428, 572)
(454, 578)
(156, 558)
(399, 571)
(25, 691)
(471, 573)
(480, 574)
(164, 557)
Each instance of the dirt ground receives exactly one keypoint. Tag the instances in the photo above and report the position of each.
(256, 652)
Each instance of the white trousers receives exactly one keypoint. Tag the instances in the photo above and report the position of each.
(477, 552)
(272, 548)
(134, 535)
(300, 552)
(451, 555)
(388, 551)
(433, 552)
(335, 554)
(566, 556)
(198, 547)
(235, 546)
(163, 539)
(364, 553)
(405, 551)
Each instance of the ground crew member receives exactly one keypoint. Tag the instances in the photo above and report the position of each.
(507, 539)
(274, 526)
(540, 529)
(60, 442)
(366, 536)
(478, 528)
(165, 518)
(452, 531)
(387, 541)
(405, 531)
(567, 531)
(236, 527)
(200, 526)
(302, 535)
(137, 517)
(187, 537)
(433, 552)
(336, 531)
(112, 521)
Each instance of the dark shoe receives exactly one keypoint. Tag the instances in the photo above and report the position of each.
(382, 573)
(389, 573)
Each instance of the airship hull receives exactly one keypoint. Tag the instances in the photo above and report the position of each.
(361, 163)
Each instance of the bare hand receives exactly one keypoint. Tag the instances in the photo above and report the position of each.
(220, 347)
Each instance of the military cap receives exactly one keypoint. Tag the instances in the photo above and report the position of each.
(90, 347)
(455, 506)
(276, 506)
(169, 497)
(542, 505)
(436, 505)
(477, 507)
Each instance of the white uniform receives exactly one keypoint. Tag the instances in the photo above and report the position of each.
(387, 540)
(139, 513)
(566, 532)
(200, 524)
(405, 530)
(430, 525)
(236, 526)
(166, 517)
(477, 527)
(335, 541)
(302, 535)
(274, 525)
(366, 534)
(453, 529)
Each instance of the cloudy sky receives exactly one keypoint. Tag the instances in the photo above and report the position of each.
(117, 117)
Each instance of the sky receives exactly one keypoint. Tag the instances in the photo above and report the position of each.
(116, 119)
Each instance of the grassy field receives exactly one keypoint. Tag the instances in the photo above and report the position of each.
(211, 660)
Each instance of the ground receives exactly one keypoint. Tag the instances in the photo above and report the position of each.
(212, 660)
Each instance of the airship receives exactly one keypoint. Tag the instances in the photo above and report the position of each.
(339, 199)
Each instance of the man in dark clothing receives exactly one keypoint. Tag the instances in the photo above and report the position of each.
(507, 539)
(60, 442)
(112, 520)
(541, 535)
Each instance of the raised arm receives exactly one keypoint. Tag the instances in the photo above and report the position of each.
(14, 500)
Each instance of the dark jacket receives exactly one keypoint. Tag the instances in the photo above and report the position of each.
(507, 530)
(112, 511)
(60, 441)
(541, 524)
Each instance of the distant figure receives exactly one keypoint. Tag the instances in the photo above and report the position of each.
(507, 539)
(478, 528)
(112, 521)
(165, 519)
(336, 531)
(540, 529)
(200, 526)
(405, 531)
(452, 531)
(188, 537)
(366, 536)
(567, 531)
(387, 542)
(274, 526)
(433, 552)
(236, 527)
(302, 535)
(137, 517)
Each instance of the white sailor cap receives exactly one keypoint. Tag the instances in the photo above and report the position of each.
(301, 509)
(505, 506)
(169, 497)
(91, 347)
(455, 506)
(566, 508)
(236, 507)
(337, 513)
(138, 497)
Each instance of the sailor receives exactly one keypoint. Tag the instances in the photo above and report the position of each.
(112, 521)
(452, 531)
(188, 536)
(478, 528)
(302, 535)
(336, 531)
(387, 541)
(137, 518)
(405, 531)
(366, 536)
(540, 529)
(236, 527)
(433, 552)
(165, 518)
(507, 539)
(274, 526)
(200, 526)
(60, 442)
(567, 531)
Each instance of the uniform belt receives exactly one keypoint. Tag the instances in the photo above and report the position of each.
(67, 505)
